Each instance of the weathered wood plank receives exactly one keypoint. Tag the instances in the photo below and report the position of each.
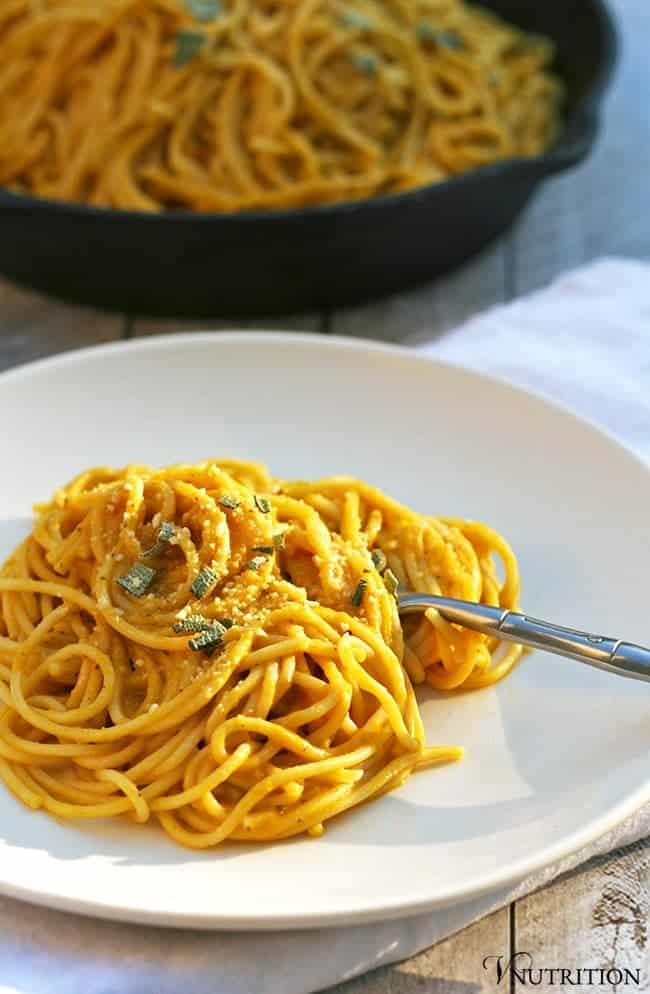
(452, 967)
(425, 313)
(603, 208)
(597, 918)
(32, 326)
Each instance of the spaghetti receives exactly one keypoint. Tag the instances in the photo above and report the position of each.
(221, 651)
(230, 105)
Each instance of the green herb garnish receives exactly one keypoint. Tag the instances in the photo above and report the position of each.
(166, 533)
(228, 502)
(204, 581)
(365, 63)
(204, 10)
(379, 560)
(262, 504)
(278, 541)
(138, 580)
(426, 32)
(268, 550)
(208, 640)
(256, 563)
(188, 46)
(195, 623)
(357, 596)
(198, 623)
(392, 583)
(444, 39)
(355, 19)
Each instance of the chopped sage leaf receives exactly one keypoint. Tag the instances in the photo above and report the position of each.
(262, 504)
(365, 63)
(355, 19)
(426, 32)
(228, 502)
(204, 582)
(138, 580)
(188, 46)
(255, 563)
(278, 541)
(268, 550)
(166, 533)
(452, 40)
(204, 10)
(379, 560)
(195, 623)
(392, 583)
(444, 39)
(226, 622)
(208, 641)
(357, 596)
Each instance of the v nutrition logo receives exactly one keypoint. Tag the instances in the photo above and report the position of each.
(522, 968)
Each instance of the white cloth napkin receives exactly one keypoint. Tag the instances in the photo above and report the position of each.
(584, 341)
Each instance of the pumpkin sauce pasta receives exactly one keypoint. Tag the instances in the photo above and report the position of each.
(231, 105)
(220, 651)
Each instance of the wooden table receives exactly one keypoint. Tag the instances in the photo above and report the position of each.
(598, 915)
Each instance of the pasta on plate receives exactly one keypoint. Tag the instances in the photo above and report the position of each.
(220, 650)
(230, 105)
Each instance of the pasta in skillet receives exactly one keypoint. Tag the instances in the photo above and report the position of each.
(230, 105)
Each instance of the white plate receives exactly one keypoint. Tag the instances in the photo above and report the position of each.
(556, 754)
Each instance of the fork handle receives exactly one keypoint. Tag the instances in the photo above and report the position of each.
(613, 655)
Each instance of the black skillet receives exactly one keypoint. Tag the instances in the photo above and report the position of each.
(188, 264)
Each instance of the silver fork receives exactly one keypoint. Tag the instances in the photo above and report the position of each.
(612, 655)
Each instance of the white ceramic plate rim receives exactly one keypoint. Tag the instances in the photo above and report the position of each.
(505, 877)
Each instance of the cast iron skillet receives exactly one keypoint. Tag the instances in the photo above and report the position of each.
(193, 265)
